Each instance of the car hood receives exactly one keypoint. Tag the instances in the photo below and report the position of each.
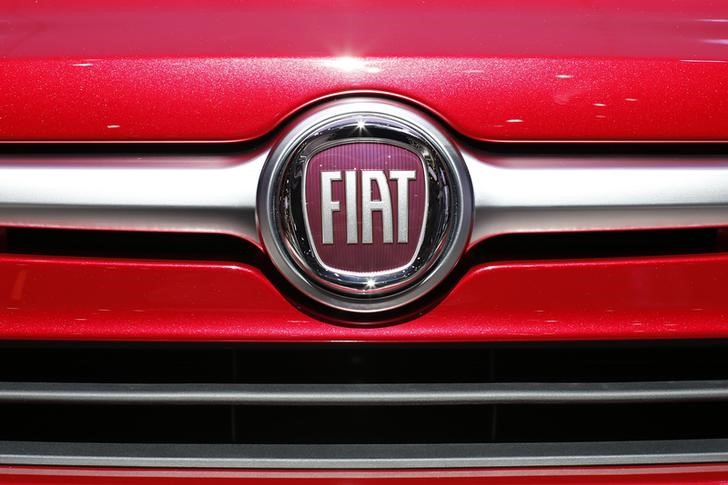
(561, 70)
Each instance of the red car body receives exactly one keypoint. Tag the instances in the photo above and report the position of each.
(188, 71)
(231, 72)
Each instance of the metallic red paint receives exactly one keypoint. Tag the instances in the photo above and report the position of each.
(631, 298)
(180, 70)
(232, 70)
(654, 475)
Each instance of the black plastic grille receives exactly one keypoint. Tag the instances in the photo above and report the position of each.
(524, 420)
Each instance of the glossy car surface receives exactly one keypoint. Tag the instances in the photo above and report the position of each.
(132, 139)
(630, 298)
(670, 475)
(181, 71)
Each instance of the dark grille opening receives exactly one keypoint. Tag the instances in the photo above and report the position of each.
(124, 424)
(609, 363)
(616, 422)
(253, 424)
(344, 425)
(362, 363)
(34, 408)
(141, 245)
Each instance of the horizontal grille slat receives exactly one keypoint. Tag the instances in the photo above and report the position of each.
(364, 456)
(364, 394)
(513, 195)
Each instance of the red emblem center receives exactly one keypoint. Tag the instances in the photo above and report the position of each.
(365, 206)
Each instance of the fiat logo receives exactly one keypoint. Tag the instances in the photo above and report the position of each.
(364, 205)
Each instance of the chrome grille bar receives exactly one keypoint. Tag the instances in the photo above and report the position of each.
(408, 394)
(363, 456)
(216, 194)
(598, 194)
(197, 195)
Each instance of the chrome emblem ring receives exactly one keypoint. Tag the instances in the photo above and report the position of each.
(365, 205)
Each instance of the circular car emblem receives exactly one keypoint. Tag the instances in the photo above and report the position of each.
(364, 205)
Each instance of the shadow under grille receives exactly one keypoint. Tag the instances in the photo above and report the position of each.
(344, 395)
